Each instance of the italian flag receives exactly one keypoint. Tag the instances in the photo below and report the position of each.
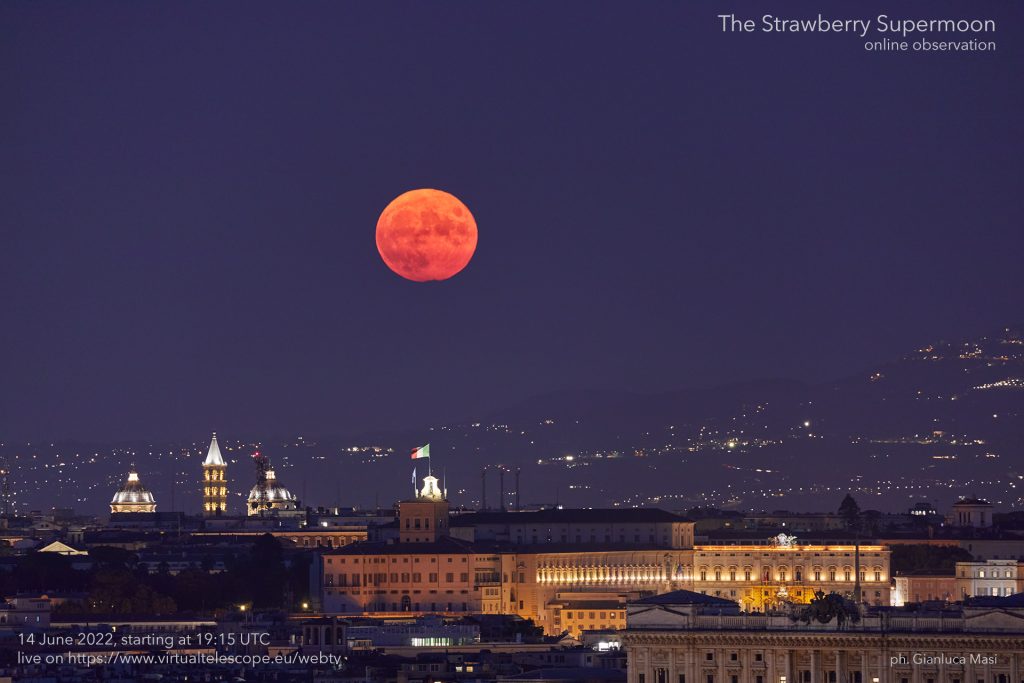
(421, 452)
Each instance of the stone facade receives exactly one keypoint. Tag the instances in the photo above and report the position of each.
(683, 641)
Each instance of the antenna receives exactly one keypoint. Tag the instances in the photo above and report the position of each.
(483, 488)
(501, 488)
(517, 489)
(262, 465)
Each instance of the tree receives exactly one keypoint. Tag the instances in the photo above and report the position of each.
(260, 577)
(110, 557)
(849, 510)
(47, 571)
(924, 558)
(118, 591)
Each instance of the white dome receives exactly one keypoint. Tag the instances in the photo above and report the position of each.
(271, 495)
(133, 496)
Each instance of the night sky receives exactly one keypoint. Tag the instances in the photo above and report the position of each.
(190, 191)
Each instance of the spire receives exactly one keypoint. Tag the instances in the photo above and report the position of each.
(213, 456)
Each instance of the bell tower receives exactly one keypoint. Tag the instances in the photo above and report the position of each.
(215, 483)
(425, 518)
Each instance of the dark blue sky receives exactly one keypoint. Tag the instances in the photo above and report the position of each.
(190, 191)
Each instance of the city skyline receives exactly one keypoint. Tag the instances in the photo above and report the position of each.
(941, 419)
(445, 341)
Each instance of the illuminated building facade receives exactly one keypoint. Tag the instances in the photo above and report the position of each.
(924, 587)
(572, 560)
(215, 481)
(133, 496)
(686, 637)
(989, 578)
(764, 577)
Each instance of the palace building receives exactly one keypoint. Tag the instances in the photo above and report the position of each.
(687, 637)
(133, 496)
(215, 484)
(553, 566)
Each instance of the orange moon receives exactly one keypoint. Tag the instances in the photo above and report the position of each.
(426, 235)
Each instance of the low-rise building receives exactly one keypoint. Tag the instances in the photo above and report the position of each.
(989, 578)
(924, 588)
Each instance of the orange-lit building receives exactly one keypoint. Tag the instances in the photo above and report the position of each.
(552, 566)
(924, 587)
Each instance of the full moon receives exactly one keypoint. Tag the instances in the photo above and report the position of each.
(426, 235)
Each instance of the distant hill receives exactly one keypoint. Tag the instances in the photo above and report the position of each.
(942, 420)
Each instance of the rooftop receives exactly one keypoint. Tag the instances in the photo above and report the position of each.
(684, 597)
(443, 546)
(570, 516)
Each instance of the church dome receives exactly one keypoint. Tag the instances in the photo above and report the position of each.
(271, 496)
(133, 496)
